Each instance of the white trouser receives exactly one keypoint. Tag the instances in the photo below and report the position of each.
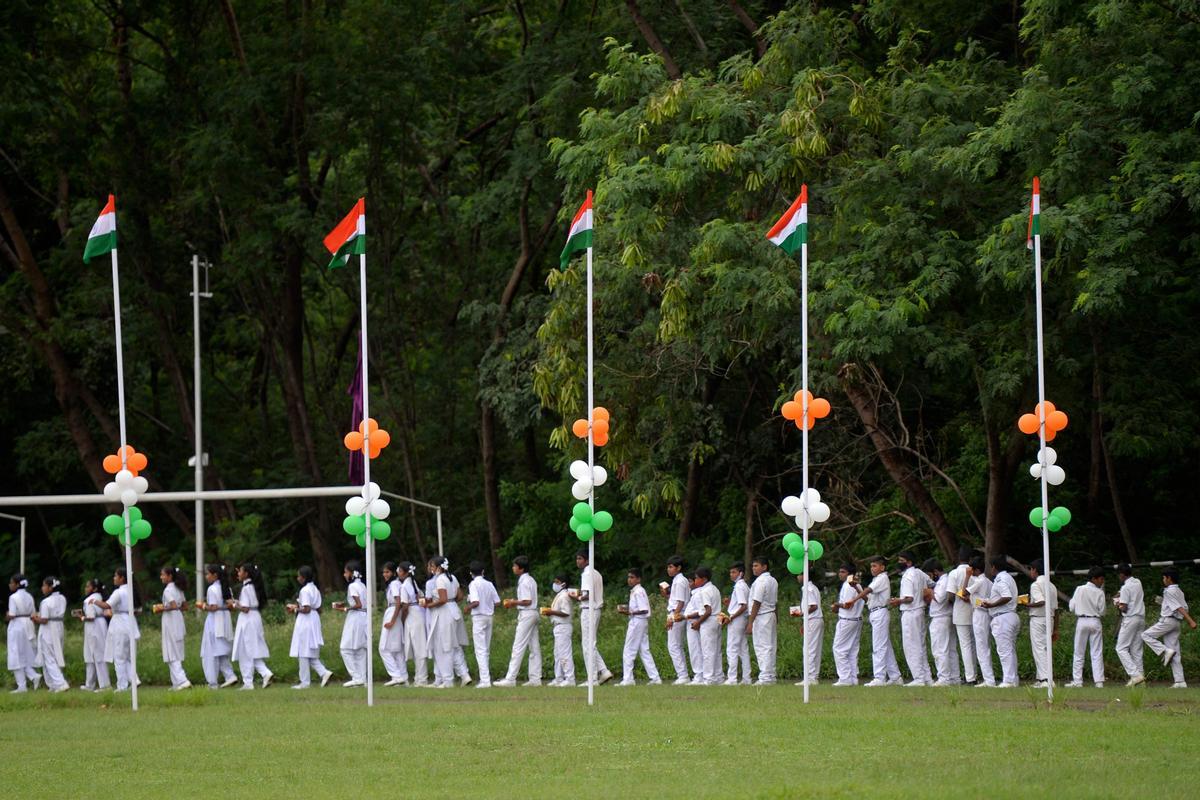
(710, 648)
(941, 641)
(25, 674)
(460, 664)
(737, 649)
(981, 625)
(216, 666)
(693, 648)
(1129, 644)
(307, 665)
(966, 647)
(883, 658)
(481, 637)
(526, 638)
(249, 667)
(178, 676)
(589, 624)
(1088, 639)
(1037, 642)
(125, 673)
(1005, 628)
(443, 666)
(814, 641)
(394, 664)
(564, 653)
(637, 645)
(97, 675)
(1162, 635)
(356, 663)
(675, 636)
(53, 675)
(764, 646)
(845, 649)
(912, 632)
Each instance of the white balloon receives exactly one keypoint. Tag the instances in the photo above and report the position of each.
(820, 512)
(356, 506)
(1055, 475)
(1035, 470)
(599, 475)
(1047, 455)
(380, 509)
(372, 491)
(141, 485)
(579, 470)
(124, 479)
(792, 505)
(112, 492)
(580, 490)
(803, 520)
(811, 497)
(129, 497)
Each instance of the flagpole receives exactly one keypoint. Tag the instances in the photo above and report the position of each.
(1041, 377)
(369, 544)
(804, 439)
(133, 681)
(593, 639)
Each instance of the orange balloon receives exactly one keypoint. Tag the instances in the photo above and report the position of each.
(1057, 420)
(373, 450)
(381, 438)
(819, 408)
(112, 464)
(138, 462)
(1049, 409)
(128, 450)
(600, 428)
(1028, 423)
(369, 425)
(1050, 434)
(580, 428)
(791, 410)
(600, 412)
(600, 439)
(353, 440)
(803, 397)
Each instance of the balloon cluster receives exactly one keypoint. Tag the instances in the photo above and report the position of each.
(817, 408)
(1055, 474)
(1055, 421)
(806, 509)
(359, 507)
(126, 488)
(1055, 521)
(586, 522)
(793, 543)
(114, 525)
(1045, 466)
(599, 427)
(369, 431)
(585, 482)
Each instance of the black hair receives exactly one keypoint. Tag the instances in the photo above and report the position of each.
(522, 563)
(635, 572)
(476, 568)
(256, 580)
(964, 554)
(675, 561)
(850, 567)
(20, 580)
(222, 578)
(1095, 572)
(1039, 565)
(977, 562)
(762, 560)
(1000, 563)
(1172, 573)
(704, 572)
(390, 566)
(95, 585)
(739, 566)
(561, 577)
(877, 560)
(932, 565)
(137, 598)
(908, 556)
(407, 568)
(177, 577)
(582, 553)
(310, 577)
(354, 566)
(1124, 569)
(52, 582)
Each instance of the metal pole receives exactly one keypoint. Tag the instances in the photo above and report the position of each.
(183, 497)
(441, 550)
(133, 683)
(1041, 376)
(21, 520)
(196, 394)
(804, 428)
(591, 642)
(369, 543)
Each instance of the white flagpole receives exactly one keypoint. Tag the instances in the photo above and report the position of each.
(804, 439)
(593, 640)
(133, 680)
(369, 544)
(1041, 376)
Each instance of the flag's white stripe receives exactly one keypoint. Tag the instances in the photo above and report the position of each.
(798, 219)
(105, 224)
(1037, 204)
(584, 223)
(360, 227)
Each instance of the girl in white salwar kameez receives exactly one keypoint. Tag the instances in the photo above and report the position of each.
(123, 631)
(22, 639)
(443, 634)
(216, 643)
(95, 633)
(413, 617)
(354, 631)
(249, 642)
(49, 620)
(307, 638)
(173, 631)
(460, 659)
(391, 635)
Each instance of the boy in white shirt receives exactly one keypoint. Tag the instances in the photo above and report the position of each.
(812, 628)
(637, 641)
(1041, 593)
(878, 596)
(1005, 624)
(962, 613)
(911, 602)
(764, 594)
(677, 594)
(482, 600)
(691, 612)
(559, 613)
(526, 637)
(1131, 602)
(849, 627)
(591, 603)
(1087, 604)
(979, 591)
(737, 647)
(708, 628)
(1163, 636)
(941, 626)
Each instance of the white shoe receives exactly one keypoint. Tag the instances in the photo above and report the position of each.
(1007, 686)
(19, 691)
(466, 681)
(842, 683)
(267, 680)
(536, 682)
(505, 683)
(481, 685)
(182, 686)
(1179, 685)
(1135, 680)
(352, 683)
(605, 677)
(940, 682)
(1041, 685)
(731, 682)
(917, 683)
(554, 683)
(895, 682)
(301, 686)
(875, 682)
(246, 687)
(231, 682)
(60, 690)
(326, 678)
(985, 685)
(657, 682)
(761, 682)
(86, 688)
(682, 681)
(1073, 685)
(627, 683)
(1167, 655)
(1100, 685)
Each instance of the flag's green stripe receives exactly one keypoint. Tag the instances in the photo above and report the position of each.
(99, 245)
(578, 242)
(792, 243)
(354, 247)
(1037, 225)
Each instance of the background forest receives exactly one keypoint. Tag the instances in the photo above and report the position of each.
(244, 130)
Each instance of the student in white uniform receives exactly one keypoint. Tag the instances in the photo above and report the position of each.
(482, 599)
(354, 628)
(911, 602)
(174, 601)
(249, 640)
(559, 611)
(391, 631)
(1131, 602)
(22, 636)
(1041, 593)
(216, 644)
(846, 636)
(813, 628)
(878, 597)
(413, 617)
(961, 614)
(691, 612)
(123, 630)
(763, 623)
(709, 628)
(941, 626)
(526, 637)
(979, 591)
(677, 594)
(460, 630)
(1163, 636)
(737, 645)
(1087, 604)
(1005, 623)
(591, 603)
(49, 620)
(307, 638)
(637, 640)
(443, 632)
(95, 632)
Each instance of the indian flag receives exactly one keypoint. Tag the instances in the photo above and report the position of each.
(579, 238)
(349, 238)
(791, 231)
(1035, 213)
(103, 238)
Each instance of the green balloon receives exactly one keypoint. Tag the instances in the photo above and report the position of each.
(1035, 517)
(582, 512)
(795, 565)
(791, 538)
(1062, 513)
(602, 521)
(354, 525)
(1053, 524)
(140, 530)
(584, 535)
(135, 513)
(796, 549)
(574, 523)
(361, 538)
(380, 530)
(114, 524)
(815, 550)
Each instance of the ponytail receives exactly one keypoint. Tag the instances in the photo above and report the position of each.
(222, 578)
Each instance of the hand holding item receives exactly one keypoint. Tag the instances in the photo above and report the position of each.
(157, 608)
(509, 602)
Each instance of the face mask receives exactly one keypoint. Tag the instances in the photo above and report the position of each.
(558, 587)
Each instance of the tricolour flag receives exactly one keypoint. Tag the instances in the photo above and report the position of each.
(579, 238)
(791, 230)
(103, 238)
(349, 238)
(1035, 213)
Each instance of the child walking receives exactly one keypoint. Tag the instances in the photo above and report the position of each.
(413, 617)
(49, 620)
(216, 643)
(848, 633)
(22, 637)
(95, 632)
(443, 634)
(482, 600)
(307, 638)
(354, 630)
(878, 594)
(1163, 636)
(637, 640)
(526, 637)
(123, 630)
(391, 634)
(173, 602)
(559, 612)
(1087, 604)
(249, 641)
(979, 590)
(737, 645)
(678, 594)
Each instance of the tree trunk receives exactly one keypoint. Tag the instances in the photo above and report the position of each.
(749, 24)
(1003, 461)
(691, 498)
(491, 490)
(752, 496)
(647, 31)
(1114, 491)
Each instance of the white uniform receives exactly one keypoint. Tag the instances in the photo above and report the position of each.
(961, 616)
(591, 583)
(1087, 604)
(354, 632)
(1041, 591)
(95, 632)
(50, 640)
(173, 633)
(846, 636)
(883, 658)
(22, 638)
(249, 641)
(307, 638)
(912, 624)
(443, 630)
(460, 631)
(710, 635)
(564, 650)
(637, 642)
(814, 630)
(765, 590)
(391, 638)
(737, 647)
(480, 590)
(1164, 634)
(980, 589)
(415, 632)
(123, 633)
(941, 633)
(526, 637)
(681, 593)
(216, 643)
(1133, 623)
(1005, 626)
(695, 658)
